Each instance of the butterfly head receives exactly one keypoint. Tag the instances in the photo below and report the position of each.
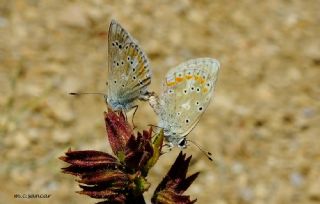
(182, 143)
(176, 141)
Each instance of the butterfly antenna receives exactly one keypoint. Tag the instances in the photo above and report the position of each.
(85, 93)
(207, 153)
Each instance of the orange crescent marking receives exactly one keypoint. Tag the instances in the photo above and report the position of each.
(179, 79)
(201, 80)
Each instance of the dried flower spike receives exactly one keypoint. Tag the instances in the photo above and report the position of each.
(123, 179)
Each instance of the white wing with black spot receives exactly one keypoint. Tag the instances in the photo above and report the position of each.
(188, 89)
(129, 73)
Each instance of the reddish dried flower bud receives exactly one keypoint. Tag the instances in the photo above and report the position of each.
(138, 150)
(175, 183)
(84, 162)
(99, 173)
(119, 131)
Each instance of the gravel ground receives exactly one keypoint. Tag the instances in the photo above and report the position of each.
(262, 127)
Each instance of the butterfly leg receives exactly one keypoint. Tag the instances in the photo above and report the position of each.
(134, 113)
(123, 113)
(169, 147)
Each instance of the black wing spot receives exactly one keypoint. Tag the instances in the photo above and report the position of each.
(197, 103)
(198, 89)
(185, 91)
(200, 108)
(187, 121)
(134, 77)
(120, 46)
(122, 85)
(115, 81)
(133, 69)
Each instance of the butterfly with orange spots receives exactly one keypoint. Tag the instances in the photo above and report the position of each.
(187, 91)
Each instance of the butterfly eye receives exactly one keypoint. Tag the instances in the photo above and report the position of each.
(182, 143)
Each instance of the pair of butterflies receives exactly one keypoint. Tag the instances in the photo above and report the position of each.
(187, 88)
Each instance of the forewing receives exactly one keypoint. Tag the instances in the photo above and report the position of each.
(129, 73)
(188, 89)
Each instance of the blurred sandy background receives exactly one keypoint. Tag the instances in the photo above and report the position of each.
(262, 127)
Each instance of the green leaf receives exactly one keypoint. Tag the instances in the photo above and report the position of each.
(157, 147)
